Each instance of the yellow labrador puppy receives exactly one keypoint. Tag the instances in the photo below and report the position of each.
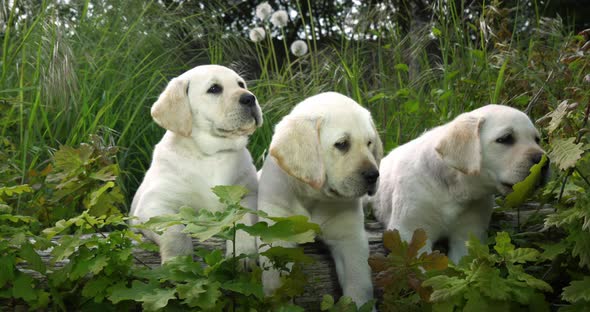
(324, 157)
(444, 181)
(208, 114)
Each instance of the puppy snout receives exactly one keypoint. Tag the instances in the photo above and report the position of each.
(247, 100)
(536, 158)
(370, 176)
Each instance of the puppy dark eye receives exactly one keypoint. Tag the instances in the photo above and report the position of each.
(369, 143)
(506, 139)
(242, 85)
(342, 145)
(215, 89)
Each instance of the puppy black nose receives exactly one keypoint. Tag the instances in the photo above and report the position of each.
(371, 176)
(536, 158)
(248, 100)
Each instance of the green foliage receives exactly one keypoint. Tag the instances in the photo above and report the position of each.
(81, 179)
(490, 281)
(98, 268)
(525, 188)
(344, 304)
(566, 153)
(402, 272)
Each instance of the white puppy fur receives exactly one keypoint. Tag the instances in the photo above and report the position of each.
(324, 157)
(208, 114)
(444, 181)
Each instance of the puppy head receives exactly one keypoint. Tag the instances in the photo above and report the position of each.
(497, 143)
(330, 143)
(208, 98)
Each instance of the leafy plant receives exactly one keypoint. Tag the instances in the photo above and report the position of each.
(76, 180)
(246, 290)
(402, 272)
(485, 281)
(91, 268)
(344, 304)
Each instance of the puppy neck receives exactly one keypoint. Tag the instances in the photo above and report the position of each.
(205, 144)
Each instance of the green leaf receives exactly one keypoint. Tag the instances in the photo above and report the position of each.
(327, 303)
(230, 195)
(523, 255)
(203, 224)
(202, 294)
(503, 245)
(96, 288)
(7, 268)
(22, 287)
(525, 188)
(402, 67)
(550, 251)
(213, 257)
(565, 153)
(500, 81)
(484, 276)
(445, 287)
(245, 287)
(518, 273)
(28, 253)
(288, 307)
(290, 229)
(474, 301)
(577, 291)
(283, 255)
(15, 190)
(411, 106)
(66, 246)
(557, 116)
(93, 264)
(476, 250)
(107, 173)
(151, 295)
(199, 223)
(104, 200)
(436, 32)
(581, 242)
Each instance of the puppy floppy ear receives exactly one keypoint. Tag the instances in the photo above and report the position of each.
(377, 146)
(296, 148)
(460, 146)
(172, 109)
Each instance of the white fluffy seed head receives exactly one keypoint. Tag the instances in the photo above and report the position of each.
(257, 34)
(263, 10)
(279, 19)
(299, 48)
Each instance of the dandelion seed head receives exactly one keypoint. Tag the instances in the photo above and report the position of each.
(263, 10)
(299, 48)
(257, 34)
(279, 19)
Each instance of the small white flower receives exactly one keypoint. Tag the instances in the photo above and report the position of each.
(299, 48)
(279, 18)
(257, 34)
(263, 10)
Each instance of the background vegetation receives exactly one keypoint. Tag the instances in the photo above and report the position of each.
(78, 77)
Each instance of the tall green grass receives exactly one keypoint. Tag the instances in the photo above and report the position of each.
(63, 80)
